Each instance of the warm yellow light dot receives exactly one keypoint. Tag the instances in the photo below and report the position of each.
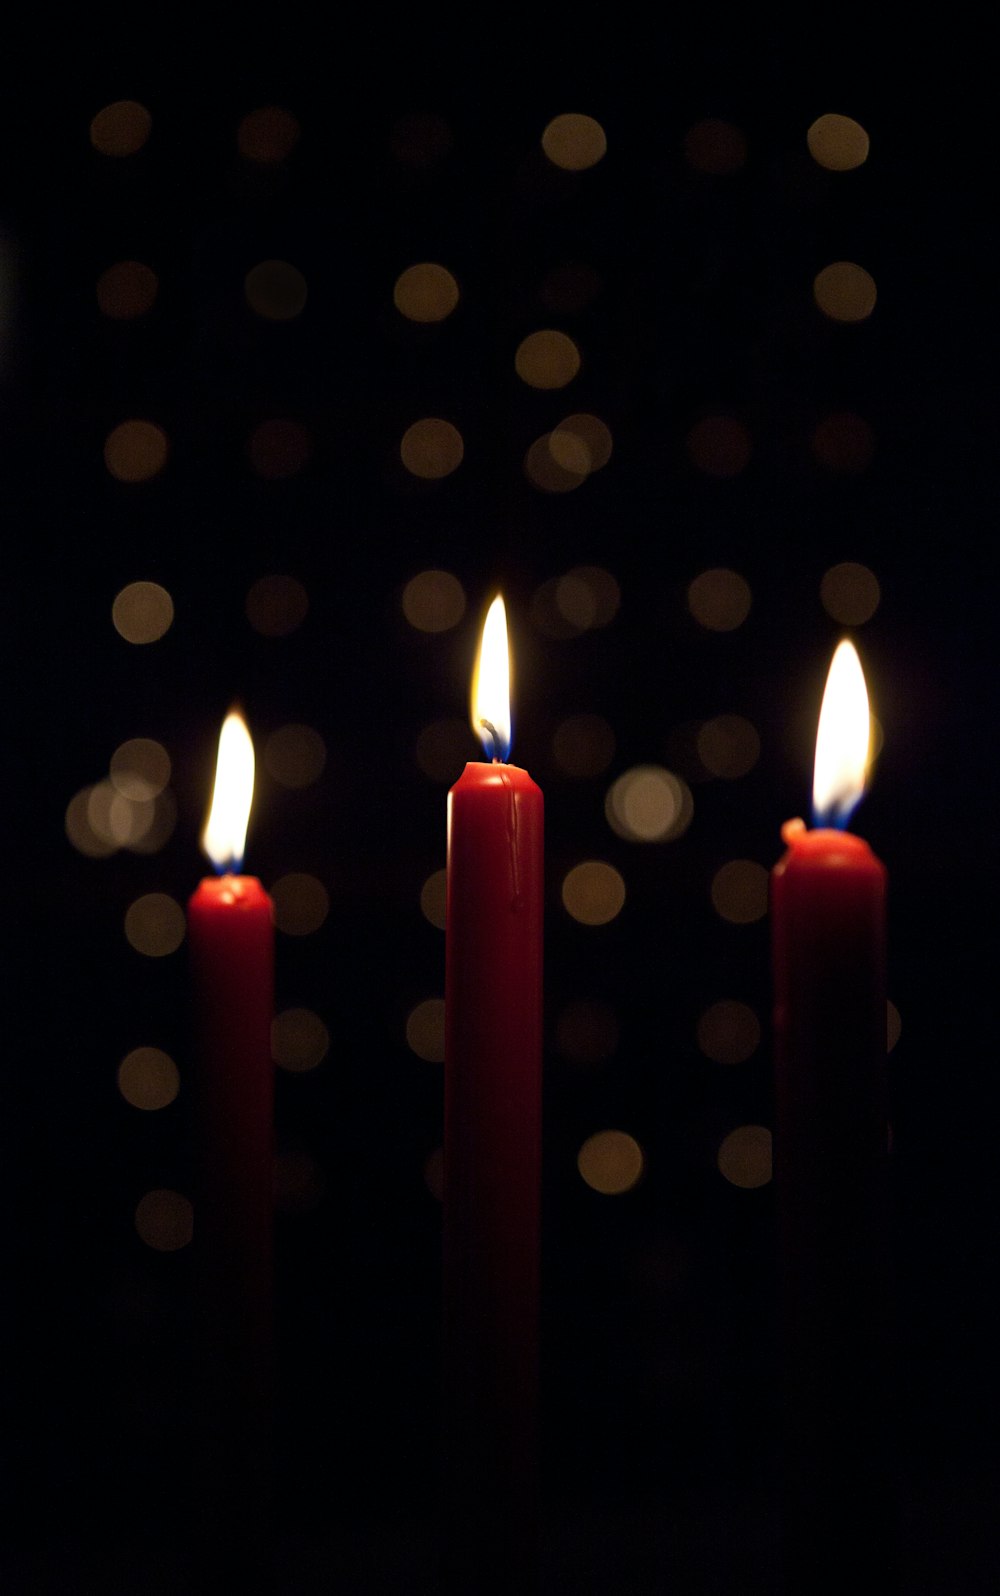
(719, 446)
(740, 891)
(268, 135)
(728, 1032)
(295, 755)
(843, 442)
(121, 128)
(276, 605)
(426, 292)
(431, 448)
(593, 892)
(894, 1026)
(433, 601)
(716, 147)
(648, 804)
(837, 142)
(140, 769)
(444, 747)
(583, 745)
(547, 359)
(279, 448)
(301, 904)
(148, 1078)
(587, 596)
(425, 1030)
(142, 612)
(299, 1040)
(574, 142)
(850, 593)
(744, 1156)
(126, 290)
(550, 474)
(844, 291)
(611, 1162)
(719, 599)
(276, 290)
(434, 899)
(136, 451)
(728, 746)
(587, 1031)
(155, 925)
(116, 818)
(581, 443)
(80, 829)
(164, 1220)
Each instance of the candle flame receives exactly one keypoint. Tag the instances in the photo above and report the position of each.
(224, 837)
(842, 740)
(491, 685)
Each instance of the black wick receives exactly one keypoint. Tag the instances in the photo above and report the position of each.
(494, 738)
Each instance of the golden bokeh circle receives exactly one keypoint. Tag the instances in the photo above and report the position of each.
(276, 290)
(121, 128)
(299, 1040)
(719, 599)
(574, 141)
(425, 1030)
(433, 601)
(610, 1162)
(845, 292)
(850, 593)
(593, 892)
(744, 1157)
(164, 1220)
(155, 925)
(431, 448)
(837, 143)
(425, 292)
(148, 1078)
(547, 359)
(136, 451)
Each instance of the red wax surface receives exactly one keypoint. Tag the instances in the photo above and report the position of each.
(828, 904)
(492, 1161)
(231, 939)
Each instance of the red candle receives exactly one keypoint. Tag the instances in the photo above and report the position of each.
(231, 936)
(492, 1148)
(828, 897)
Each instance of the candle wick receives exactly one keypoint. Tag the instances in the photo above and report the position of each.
(489, 727)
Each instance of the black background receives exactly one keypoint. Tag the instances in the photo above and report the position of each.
(660, 1442)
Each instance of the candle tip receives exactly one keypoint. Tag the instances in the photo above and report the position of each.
(791, 830)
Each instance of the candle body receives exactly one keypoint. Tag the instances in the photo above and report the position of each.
(492, 1173)
(231, 938)
(828, 898)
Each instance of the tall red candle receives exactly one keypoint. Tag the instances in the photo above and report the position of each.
(828, 906)
(492, 1150)
(231, 936)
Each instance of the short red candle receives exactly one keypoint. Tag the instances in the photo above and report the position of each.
(231, 939)
(492, 1172)
(828, 913)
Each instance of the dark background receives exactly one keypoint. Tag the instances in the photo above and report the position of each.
(660, 1438)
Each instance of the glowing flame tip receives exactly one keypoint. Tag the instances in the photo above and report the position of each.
(842, 740)
(224, 837)
(491, 685)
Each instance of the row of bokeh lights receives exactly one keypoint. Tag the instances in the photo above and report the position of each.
(133, 808)
(428, 292)
(571, 141)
